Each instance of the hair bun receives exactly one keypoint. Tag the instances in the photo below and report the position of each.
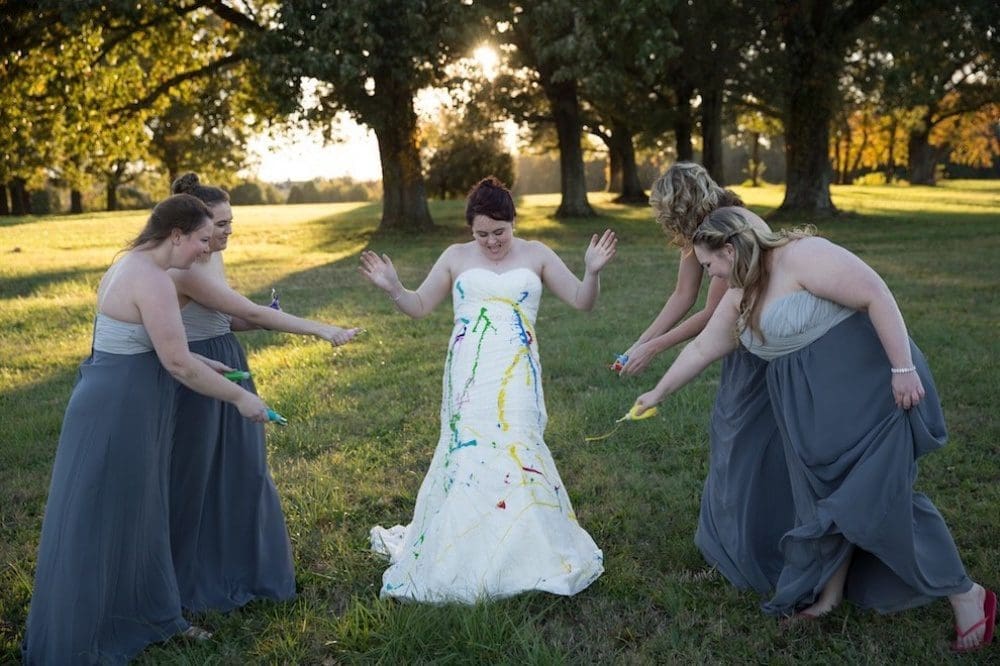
(185, 183)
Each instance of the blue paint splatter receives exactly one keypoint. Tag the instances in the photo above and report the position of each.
(463, 445)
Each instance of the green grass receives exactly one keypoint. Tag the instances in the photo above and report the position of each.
(364, 425)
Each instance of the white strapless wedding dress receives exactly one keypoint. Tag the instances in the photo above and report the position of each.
(492, 517)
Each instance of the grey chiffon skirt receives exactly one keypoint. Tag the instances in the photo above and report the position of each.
(228, 535)
(104, 582)
(852, 456)
(746, 504)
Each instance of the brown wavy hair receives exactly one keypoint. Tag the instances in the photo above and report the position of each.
(189, 184)
(180, 211)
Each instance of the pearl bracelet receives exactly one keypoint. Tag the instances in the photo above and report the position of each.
(903, 371)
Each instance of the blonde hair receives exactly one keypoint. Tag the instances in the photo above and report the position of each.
(750, 244)
(683, 196)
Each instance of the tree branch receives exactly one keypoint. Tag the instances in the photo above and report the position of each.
(125, 33)
(164, 87)
(961, 109)
(767, 110)
(233, 15)
(857, 13)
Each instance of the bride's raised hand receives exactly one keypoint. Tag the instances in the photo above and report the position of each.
(601, 251)
(380, 271)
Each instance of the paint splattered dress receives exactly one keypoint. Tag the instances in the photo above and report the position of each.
(492, 517)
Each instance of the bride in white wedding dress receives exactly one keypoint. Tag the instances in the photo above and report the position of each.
(492, 518)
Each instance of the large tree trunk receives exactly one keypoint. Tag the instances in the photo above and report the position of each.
(842, 145)
(923, 159)
(890, 167)
(111, 192)
(755, 160)
(631, 188)
(811, 88)
(573, 182)
(614, 167)
(19, 202)
(856, 166)
(75, 201)
(683, 125)
(815, 36)
(4, 208)
(711, 132)
(404, 195)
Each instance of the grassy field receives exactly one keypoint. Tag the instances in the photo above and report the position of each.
(364, 422)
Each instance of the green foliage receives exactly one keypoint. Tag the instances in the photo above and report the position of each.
(89, 87)
(133, 198)
(364, 422)
(361, 52)
(927, 77)
(200, 131)
(456, 167)
(537, 174)
(334, 190)
(246, 194)
(369, 59)
(465, 146)
(45, 201)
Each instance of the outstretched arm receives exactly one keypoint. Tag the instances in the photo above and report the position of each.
(436, 286)
(715, 341)
(212, 291)
(664, 332)
(580, 294)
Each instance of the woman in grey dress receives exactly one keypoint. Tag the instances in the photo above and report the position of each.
(228, 535)
(746, 500)
(856, 405)
(104, 580)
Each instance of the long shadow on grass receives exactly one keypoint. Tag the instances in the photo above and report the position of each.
(31, 285)
(15, 220)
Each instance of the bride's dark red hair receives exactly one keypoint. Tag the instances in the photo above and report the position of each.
(491, 198)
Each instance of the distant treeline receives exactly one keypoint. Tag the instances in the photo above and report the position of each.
(533, 174)
(140, 195)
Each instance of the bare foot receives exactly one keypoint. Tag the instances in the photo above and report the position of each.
(826, 603)
(196, 633)
(832, 594)
(828, 600)
(968, 608)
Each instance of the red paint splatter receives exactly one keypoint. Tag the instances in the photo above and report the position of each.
(532, 470)
(501, 504)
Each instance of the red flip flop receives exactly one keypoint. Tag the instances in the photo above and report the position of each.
(989, 621)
